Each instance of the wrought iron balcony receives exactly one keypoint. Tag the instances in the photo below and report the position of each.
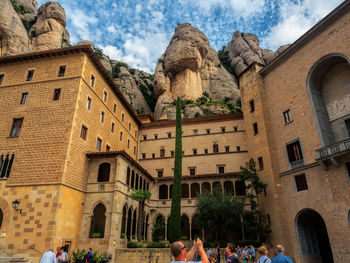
(331, 152)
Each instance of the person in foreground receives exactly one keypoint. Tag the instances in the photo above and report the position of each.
(281, 258)
(180, 254)
(263, 255)
(231, 257)
(48, 257)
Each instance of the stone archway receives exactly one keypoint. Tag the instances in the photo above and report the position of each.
(313, 237)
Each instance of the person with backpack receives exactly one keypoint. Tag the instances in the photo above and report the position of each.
(245, 254)
(89, 256)
(263, 255)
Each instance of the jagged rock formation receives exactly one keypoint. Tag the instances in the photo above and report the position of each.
(23, 29)
(188, 68)
(244, 50)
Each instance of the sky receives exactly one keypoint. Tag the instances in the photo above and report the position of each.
(137, 32)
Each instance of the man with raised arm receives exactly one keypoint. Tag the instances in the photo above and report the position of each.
(180, 254)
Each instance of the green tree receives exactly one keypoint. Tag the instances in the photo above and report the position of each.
(254, 220)
(175, 214)
(141, 196)
(219, 211)
(158, 228)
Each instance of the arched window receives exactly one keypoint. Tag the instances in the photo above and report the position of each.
(206, 187)
(140, 182)
(98, 221)
(185, 191)
(147, 186)
(146, 231)
(132, 179)
(103, 172)
(160, 219)
(194, 190)
(128, 176)
(228, 187)
(240, 188)
(185, 228)
(134, 225)
(1, 217)
(163, 191)
(144, 184)
(128, 227)
(123, 230)
(137, 182)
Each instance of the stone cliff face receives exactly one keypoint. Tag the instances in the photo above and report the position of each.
(23, 29)
(188, 68)
(244, 50)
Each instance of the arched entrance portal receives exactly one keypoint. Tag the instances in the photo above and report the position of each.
(313, 237)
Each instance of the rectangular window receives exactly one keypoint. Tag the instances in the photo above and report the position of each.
(215, 148)
(129, 126)
(172, 153)
(88, 103)
(252, 106)
(287, 116)
(102, 118)
(235, 128)
(92, 81)
(143, 156)
(134, 149)
(261, 163)
(98, 144)
(24, 98)
(347, 127)
(300, 182)
(160, 173)
(156, 136)
(1, 78)
(194, 151)
(114, 108)
(238, 148)
(221, 169)
(112, 127)
(169, 134)
(122, 117)
(255, 127)
(83, 133)
(144, 137)
(162, 152)
(227, 149)
(153, 155)
(192, 171)
(121, 136)
(104, 96)
(206, 151)
(295, 155)
(128, 144)
(16, 127)
(56, 94)
(195, 132)
(108, 148)
(208, 131)
(61, 71)
(223, 129)
(30, 75)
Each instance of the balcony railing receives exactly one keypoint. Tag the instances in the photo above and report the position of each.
(334, 150)
(297, 164)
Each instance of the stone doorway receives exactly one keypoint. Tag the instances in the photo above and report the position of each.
(313, 237)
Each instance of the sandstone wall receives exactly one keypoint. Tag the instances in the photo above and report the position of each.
(156, 255)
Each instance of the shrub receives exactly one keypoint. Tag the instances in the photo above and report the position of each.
(197, 114)
(95, 235)
(132, 71)
(148, 244)
(156, 245)
(79, 255)
(132, 244)
(98, 52)
(206, 94)
(97, 257)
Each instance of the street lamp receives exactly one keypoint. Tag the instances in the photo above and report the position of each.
(15, 205)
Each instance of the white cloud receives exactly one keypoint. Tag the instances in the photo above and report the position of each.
(112, 51)
(296, 19)
(112, 29)
(82, 25)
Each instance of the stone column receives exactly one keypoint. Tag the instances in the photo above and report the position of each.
(190, 223)
(166, 229)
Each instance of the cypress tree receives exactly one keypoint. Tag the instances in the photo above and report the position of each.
(175, 214)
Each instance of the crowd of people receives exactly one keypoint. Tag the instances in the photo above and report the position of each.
(62, 257)
(232, 254)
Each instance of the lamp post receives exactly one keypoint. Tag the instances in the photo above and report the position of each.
(15, 205)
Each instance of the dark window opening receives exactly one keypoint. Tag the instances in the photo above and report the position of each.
(255, 127)
(221, 169)
(88, 103)
(160, 173)
(1, 78)
(132, 179)
(16, 127)
(30, 75)
(24, 98)
(104, 96)
(102, 118)
(128, 176)
(347, 167)
(163, 191)
(56, 94)
(268, 219)
(192, 171)
(235, 128)
(6, 164)
(114, 108)
(206, 187)
(185, 191)
(206, 151)
(223, 129)
(153, 155)
(162, 152)
(83, 132)
(215, 148)
(112, 127)
(252, 106)
(137, 181)
(121, 136)
(128, 145)
(103, 172)
(238, 148)
(295, 155)
(92, 81)
(261, 163)
(122, 117)
(194, 151)
(129, 126)
(143, 156)
(144, 137)
(228, 187)
(155, 136)
(195, 191)
(227, 149)
(108, 148)
(61, 71)
(240, 188)
(172, 153)
(300, 182)
(287, 116)
(169, 134)
(98, 222)
(208, 131)
(195, 132)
